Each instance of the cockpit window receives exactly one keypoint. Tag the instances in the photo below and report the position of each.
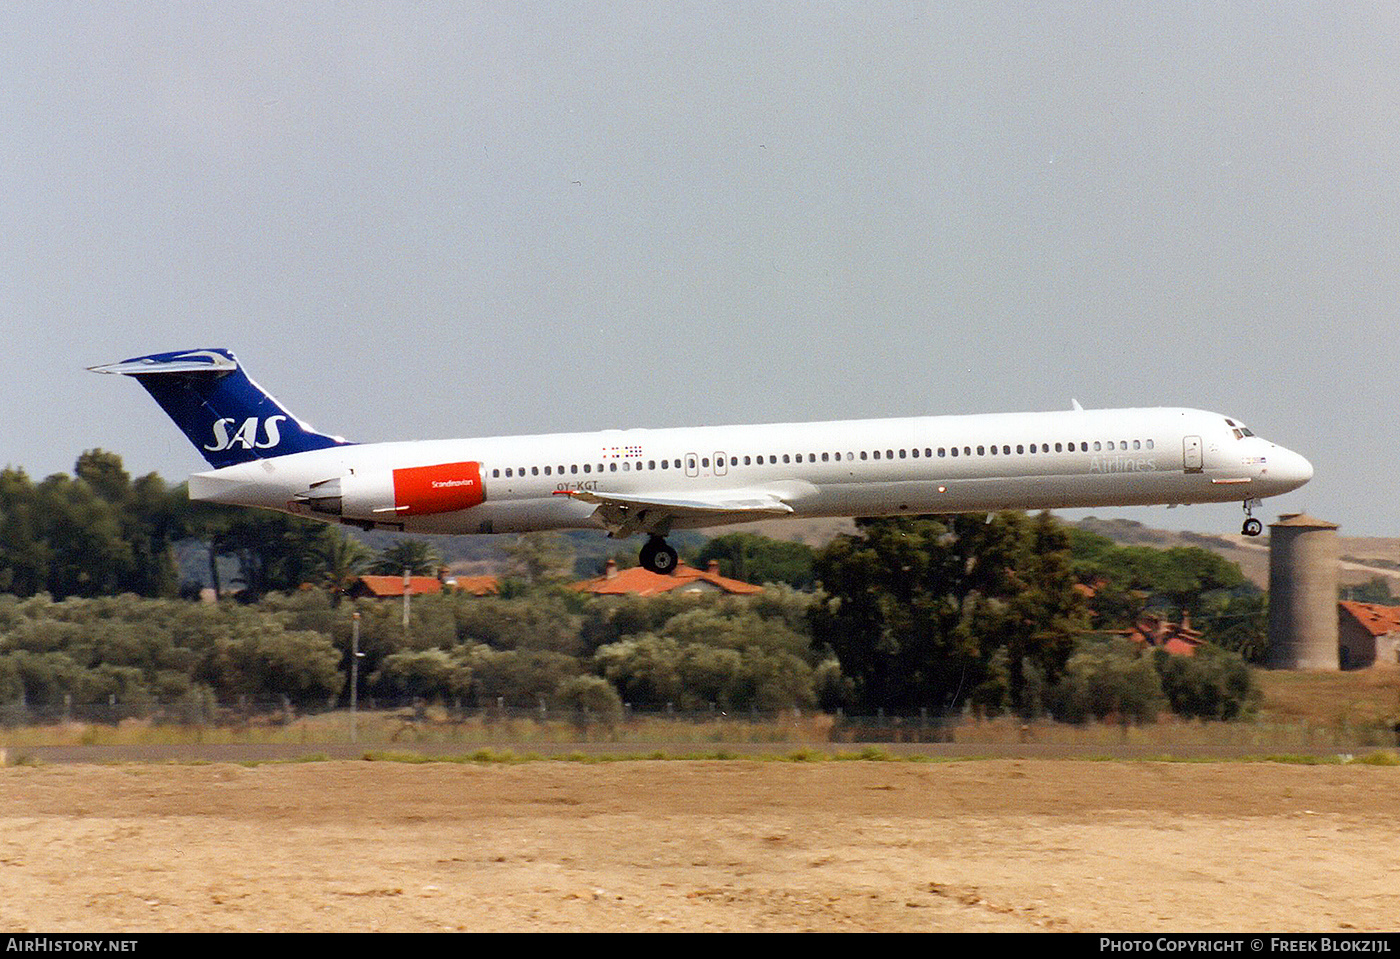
(1239, 429)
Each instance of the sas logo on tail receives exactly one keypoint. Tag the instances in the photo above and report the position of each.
(246, 436)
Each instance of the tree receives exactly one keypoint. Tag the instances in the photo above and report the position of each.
(1107, 679)
(916, 607)
(1237, 620)
(427, 673)
(758, 559)
(1211, 684)
(1128, 578)
(104, 473)
(415, 555)
(24, 554)
(1374, 590)
(340, 561)
(89, 557)
(590, 697)
(541, 557)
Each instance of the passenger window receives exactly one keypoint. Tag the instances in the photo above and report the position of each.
(786, 459)
(877, 454)
(799, 457)
(824, 457)
(627, 466)
(889, 454)
(981, 451)
(588, 467)
(862, 454)
(1149, 444)
(914, 452)
(509, 474)
(1137, 444)
(612, 467)
(705, 462)
(901, 454)
(941, 451)
(495, 474)
(733, 461)
(1020, 449)
(955, 451)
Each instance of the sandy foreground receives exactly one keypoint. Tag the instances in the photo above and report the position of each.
(697, 845)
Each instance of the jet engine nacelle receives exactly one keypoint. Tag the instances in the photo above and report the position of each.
(383, 495)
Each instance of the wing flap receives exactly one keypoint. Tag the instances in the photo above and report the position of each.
(627, 513)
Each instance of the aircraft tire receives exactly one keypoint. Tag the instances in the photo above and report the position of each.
(658, 556)
(1252, 527)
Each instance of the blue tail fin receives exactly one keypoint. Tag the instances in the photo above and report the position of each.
(228, 417)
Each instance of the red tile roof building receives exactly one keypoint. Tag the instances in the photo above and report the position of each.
(1367, 634)
(1177, 638)
(386, 587)
(642, 582)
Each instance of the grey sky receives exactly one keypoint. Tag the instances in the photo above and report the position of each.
(426, 220)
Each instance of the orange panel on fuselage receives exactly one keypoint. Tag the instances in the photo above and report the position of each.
(444, 488)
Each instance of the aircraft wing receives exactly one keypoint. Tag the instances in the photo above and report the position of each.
(627, 513)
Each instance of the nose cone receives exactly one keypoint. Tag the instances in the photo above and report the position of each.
(1287, 470)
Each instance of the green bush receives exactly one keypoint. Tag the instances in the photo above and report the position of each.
(1107, 679)
(1212, 684)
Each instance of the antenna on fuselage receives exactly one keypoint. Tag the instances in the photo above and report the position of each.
(1077, 407)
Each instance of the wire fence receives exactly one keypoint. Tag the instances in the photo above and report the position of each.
(416, 721)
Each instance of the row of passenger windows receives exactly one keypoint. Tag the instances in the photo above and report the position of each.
(928, 452)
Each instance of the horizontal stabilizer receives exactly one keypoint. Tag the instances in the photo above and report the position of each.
(228, 417)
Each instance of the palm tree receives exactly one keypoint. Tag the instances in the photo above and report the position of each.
(414, 555)
(341, 560)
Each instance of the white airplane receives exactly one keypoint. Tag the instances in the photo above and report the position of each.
(654, 481)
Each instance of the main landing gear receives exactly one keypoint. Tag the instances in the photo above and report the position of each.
(1252, 526)
(658, 556)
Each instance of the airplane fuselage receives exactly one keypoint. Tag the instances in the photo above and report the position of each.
(937, 464)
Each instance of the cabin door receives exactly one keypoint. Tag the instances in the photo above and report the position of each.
(1191, 454)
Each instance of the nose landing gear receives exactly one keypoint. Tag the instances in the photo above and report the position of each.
(1252, 526)
(658, 556)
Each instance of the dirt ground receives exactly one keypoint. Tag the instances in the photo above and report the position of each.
(698, 845)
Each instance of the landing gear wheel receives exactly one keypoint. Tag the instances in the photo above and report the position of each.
(658, 556)
(1252, 527)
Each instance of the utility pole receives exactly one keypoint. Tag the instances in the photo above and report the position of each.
(354, 670)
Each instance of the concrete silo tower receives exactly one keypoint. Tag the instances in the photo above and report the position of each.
(1302, 593)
